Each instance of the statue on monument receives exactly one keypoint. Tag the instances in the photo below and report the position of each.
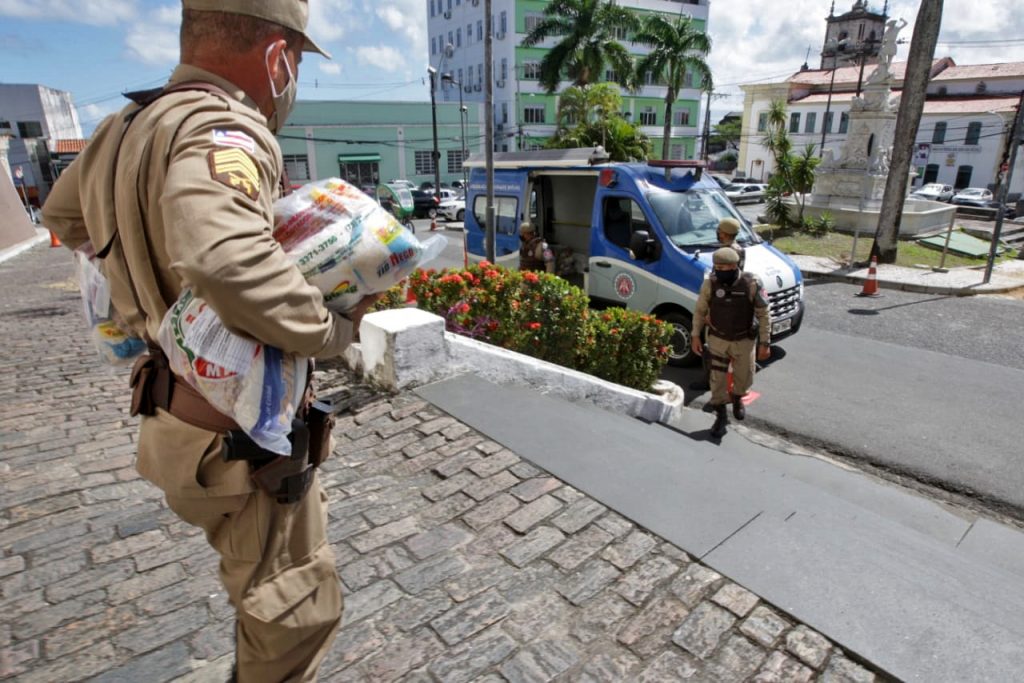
(888, 51)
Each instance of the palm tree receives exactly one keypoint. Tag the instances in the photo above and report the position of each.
(678, 47)
(794, 170)
(587, 29)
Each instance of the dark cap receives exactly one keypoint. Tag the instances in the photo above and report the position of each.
(293, 14)
(725, 256)
(730, 226)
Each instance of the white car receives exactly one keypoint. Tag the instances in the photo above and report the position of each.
(453, 209)
(936, 192)
(745, 193)
(401, 182)
(973, 196)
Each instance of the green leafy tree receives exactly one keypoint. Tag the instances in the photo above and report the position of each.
(588, 117)
(576, 105)
(727, 134)
(677, 46)
(587, 29)
(794, 171)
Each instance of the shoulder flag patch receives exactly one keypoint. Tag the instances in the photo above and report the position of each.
(236, 169)
(234, 138)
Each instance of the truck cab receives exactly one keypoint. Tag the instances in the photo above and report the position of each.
(636, 235)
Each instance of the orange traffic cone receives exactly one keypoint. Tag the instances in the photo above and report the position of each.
(433, 224)
(871, 284)
(54, 241)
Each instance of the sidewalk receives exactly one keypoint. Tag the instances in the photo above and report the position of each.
(1006, 276)
(460, 560)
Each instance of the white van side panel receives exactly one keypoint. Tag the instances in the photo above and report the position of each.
(572, 198)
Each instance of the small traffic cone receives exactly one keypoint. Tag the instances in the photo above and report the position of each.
(54, 241)
(433, 224)
(871, 284)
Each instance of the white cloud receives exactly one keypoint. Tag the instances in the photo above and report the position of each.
(98, 12)
(330, 68)
(154, 39)
(408, 19)
(383, 57)
(329, 19)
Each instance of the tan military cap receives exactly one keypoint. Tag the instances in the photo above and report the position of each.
(725, 256)
(730, 226)
(293, 14)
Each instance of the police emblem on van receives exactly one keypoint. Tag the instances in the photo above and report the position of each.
(625, 285)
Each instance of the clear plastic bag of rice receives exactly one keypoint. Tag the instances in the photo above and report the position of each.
(115, 343)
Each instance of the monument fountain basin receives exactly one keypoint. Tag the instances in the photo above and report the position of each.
(850, 215)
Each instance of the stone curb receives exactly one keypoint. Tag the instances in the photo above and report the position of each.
(911, 287)
(11, 252)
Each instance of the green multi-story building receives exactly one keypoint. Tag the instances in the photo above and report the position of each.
(524, 114)
(367, 143)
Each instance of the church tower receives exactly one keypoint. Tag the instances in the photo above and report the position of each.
(862, 30)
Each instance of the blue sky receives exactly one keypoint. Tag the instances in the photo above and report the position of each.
(98, 48)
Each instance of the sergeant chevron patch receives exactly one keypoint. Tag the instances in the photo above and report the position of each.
(236, 169)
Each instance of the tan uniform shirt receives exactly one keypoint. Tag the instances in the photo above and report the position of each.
(702, 313)
(196, 179)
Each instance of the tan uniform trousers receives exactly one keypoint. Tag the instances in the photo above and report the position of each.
(275, 562)
(741, 354)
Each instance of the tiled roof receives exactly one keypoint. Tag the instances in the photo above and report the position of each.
(978, 71)
(849, 74)
(933, 105)
(70, 146)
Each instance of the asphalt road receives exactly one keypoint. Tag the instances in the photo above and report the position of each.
(920, 385)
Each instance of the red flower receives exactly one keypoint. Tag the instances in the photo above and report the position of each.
(485, 263)
(533, 326)
(463, 307)
(491, 273)
(515, 305)
(615, 330)
(530, 276)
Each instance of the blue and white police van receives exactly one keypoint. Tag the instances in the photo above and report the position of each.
(637, 235)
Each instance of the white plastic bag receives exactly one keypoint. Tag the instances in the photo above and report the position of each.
(114, 342)
(258, 386)
(345, 244)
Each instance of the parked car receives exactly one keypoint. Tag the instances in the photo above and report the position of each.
(745, 193)
(453, 209)
(402, 182)
(1009, 210)
(458, 186)
(425, 204)
(429, 185)
(936, 192)
(973, 196)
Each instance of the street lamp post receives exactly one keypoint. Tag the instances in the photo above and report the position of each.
(826, 124)
(463, 113)
(435, 155)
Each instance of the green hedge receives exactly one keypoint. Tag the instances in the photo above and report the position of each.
(543, 316)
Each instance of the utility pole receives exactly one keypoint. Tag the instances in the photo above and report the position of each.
(707, 128)
(1004, 187)
(915, 86)
(435, 155)
(489, 127)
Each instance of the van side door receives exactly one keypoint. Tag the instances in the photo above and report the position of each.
(616, 276)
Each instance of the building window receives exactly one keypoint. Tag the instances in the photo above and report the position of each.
(460, 78)
(503, 24)
(533, 113)
(479, 74)
(297, 167)
(963, 177)
(620, 32)
(828, 122)
(973, 133)
(648, 117)
(451, 39)
(794, 122)
(532, 20)
(458, 37)
(504, 69)
(531, 71)
(433, 46)
(611, 76)
(931, 173)
(469, 34)
(5, 125)
(30, 129)
(812, 120)
(677, 151)
(844, 122)
(762, 122)
(455, 159)
(681, 118)
(449, 5)
(433, 12)
(939, 134)
(480, 31)
(504, 112)
(424, 162)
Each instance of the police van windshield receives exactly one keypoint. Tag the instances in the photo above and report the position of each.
(690, 219)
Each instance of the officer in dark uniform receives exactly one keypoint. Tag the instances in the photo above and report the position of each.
(729, 304)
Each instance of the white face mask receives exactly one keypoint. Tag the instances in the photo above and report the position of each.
(284, 100)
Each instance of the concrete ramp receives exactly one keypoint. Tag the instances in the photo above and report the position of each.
(920, 592)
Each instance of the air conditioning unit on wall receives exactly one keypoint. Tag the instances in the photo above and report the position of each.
(499, 84)
(448, 14)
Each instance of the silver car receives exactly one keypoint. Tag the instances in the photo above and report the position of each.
(745, 193)
(936, 192)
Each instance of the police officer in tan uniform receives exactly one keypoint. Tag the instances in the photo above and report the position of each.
(729, 303)
(728, 229)
(177, 190)
(534, 254)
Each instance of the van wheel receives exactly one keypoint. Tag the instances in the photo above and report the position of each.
(680, 353)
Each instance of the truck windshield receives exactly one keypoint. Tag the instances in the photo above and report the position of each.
(690, 219)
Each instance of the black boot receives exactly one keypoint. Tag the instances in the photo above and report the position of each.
(721, 420)
(739, 411)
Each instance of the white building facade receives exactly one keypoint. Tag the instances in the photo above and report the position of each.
(35, 117)
(962, 138)
(524, 114)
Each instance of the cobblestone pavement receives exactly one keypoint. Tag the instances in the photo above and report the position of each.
(460, 561)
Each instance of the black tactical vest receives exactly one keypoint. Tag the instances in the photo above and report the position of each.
(732, 308)
(527, 255)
